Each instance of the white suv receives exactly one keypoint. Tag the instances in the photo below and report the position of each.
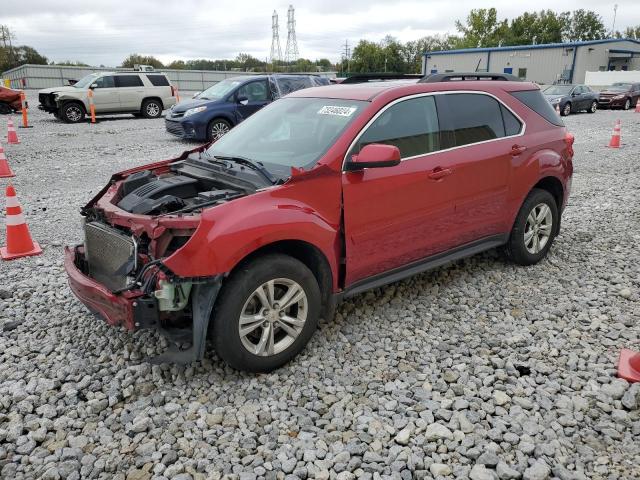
(143, 94)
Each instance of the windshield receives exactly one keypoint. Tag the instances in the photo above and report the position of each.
(291, 132)
(620, 87)
(558, 90)
(84, 82)
(219, 90)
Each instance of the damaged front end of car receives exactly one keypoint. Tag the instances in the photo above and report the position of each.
(142, 218)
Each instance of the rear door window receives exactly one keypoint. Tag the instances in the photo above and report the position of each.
(128, 81)
(470, 118)
(411, 125)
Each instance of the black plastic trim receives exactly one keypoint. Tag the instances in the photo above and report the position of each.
(425, 264)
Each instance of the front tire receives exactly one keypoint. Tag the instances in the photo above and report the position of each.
(566, 110)
(217, 128)
(267, 311)
(627, 104)
(72, 112)
(593, 108)
(535, 228)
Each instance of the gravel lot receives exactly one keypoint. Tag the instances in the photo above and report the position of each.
(478, 370)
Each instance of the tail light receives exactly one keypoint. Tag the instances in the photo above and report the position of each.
(569, 139)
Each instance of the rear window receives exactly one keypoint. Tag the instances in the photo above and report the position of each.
(128, 81)
(158, 80)
(536, 102)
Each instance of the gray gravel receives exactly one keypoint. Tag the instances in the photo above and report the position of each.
(478, 370)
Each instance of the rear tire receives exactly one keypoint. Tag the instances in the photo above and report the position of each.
(72, 112)
(535, 228)
(593, 108)
(151, 108)
(272, 334)
(5, 109)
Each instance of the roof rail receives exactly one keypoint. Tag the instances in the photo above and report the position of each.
(379, 77)
(470, 76)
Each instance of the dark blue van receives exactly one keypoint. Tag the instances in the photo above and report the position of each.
(213, 112)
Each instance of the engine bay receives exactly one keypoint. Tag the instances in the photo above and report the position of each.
(190, 185)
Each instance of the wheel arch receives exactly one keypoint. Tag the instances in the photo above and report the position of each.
(309, 255)
(552, 185)
(66, 101)
(152, 98)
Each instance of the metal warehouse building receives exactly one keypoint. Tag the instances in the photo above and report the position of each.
(547, 63)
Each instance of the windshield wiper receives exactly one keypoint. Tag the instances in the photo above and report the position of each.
(252, 164)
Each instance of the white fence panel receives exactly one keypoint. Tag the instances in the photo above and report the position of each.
(604, 79)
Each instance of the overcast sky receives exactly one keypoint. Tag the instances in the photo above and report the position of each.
(105, 32)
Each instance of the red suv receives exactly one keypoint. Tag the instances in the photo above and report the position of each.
(323, 194)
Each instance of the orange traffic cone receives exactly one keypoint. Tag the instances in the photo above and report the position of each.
(637, 106)
(615, 138)
(12, 135)
(5, 170)
(19, 242)
(629, 365)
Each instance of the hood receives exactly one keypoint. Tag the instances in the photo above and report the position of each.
(67, 88)
(613, 93)
(193, 103)
(554, 97)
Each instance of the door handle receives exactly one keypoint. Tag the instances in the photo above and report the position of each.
(439, 173)
(517, 150)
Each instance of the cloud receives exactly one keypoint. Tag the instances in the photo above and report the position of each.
(106, 32)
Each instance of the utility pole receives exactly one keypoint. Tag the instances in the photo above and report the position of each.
(613, 26)
(347, 53)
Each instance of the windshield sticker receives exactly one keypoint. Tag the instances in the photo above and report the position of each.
(340, 111)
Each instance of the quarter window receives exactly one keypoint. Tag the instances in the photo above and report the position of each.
(512, 125)
(158, 80)
(128, 81)
(411, 125)
(470, 118)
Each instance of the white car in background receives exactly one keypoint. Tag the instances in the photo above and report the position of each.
(144, 94)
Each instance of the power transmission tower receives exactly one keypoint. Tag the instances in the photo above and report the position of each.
(347, 53)
(291, 53)
(276, 52)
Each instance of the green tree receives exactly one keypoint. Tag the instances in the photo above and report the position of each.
(583, 25)
(177, 65)
(414, 50)
(367, 57)
(482, 29)
(632, 32)
(536, 27)
(136, 59)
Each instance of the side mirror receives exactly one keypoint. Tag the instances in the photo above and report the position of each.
(93, 85)
(574, 94)
(242, 100)
(374, 155)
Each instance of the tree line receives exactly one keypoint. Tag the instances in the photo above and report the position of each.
(481, 28)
